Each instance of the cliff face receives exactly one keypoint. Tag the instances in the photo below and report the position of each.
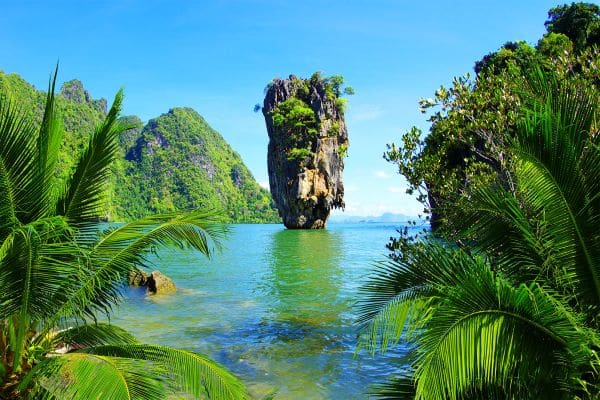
(308, 140)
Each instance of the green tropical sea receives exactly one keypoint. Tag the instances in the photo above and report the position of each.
(275, 307)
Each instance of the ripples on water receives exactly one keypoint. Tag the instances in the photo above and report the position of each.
(275, 307)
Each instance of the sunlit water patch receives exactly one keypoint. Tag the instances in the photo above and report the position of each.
(275, 307)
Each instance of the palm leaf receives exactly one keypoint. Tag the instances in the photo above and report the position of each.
(131, 371)
(82, 199)
(83, 376)
(397, 388)
(48, 144)
(186, 371)
(8, 218)
(398, 297)
(495, 222)
(126, 247)
(488, 337)
(557, 175)
(89, 335)
(34, 272)
(17, 154)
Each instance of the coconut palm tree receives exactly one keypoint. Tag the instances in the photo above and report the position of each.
(511, 310)
(57, 272)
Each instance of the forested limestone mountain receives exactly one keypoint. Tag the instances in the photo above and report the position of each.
(179, 161)
(174, 162)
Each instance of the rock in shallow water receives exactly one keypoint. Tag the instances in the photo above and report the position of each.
(156, 282)
(308, 140)
(160, 284)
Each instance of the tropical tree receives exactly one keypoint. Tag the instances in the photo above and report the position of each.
(474, 119)
(507, 307)
(57, 272)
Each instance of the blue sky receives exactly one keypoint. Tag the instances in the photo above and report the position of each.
(217, 57)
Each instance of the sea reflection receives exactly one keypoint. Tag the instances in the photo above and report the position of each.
(305, 277)
(302, 329)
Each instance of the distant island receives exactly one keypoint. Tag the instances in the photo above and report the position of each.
(385, 217)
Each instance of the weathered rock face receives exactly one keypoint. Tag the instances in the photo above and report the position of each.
(73, 91)
(307, 142)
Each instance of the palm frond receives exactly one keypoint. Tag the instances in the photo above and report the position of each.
(401, 387)
(495, 223)
(36, 262)
(17, 155)
(48, 145)
(8, 217)
(186, 371)
(126, 247)
(82, 199)
(89, 335)
(398, 297)
(488, 337)
(83, 376)
(553, 147)
(34, 272)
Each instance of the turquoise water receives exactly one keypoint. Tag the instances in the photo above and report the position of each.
(275, 307)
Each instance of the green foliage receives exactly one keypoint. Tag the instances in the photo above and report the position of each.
(555, 45)
(343, 150)
(334, 87)
(473, 121)
(57, 272)
(334, 129)
(132, 193)
(508, 306)
(511, 55)
(299, 155)
(341, 104)
(298, 120)
(179, 163)
(580, 22)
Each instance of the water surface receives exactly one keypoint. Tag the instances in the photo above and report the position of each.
(275, 307)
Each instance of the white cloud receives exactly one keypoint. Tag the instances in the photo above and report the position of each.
(381, 174)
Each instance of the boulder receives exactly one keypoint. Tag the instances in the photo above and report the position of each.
(158, 283)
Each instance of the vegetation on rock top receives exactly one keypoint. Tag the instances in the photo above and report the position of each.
(301, 122)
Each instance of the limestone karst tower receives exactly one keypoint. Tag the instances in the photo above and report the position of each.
(308, 141)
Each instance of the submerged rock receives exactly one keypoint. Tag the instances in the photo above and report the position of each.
(308, 140)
